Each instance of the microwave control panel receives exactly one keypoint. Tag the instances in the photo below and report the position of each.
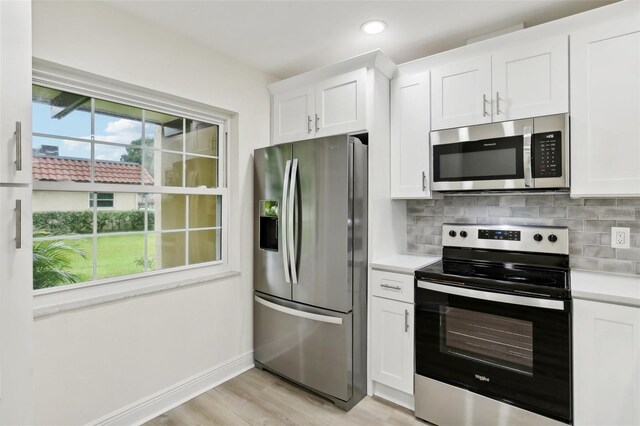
(547, 154)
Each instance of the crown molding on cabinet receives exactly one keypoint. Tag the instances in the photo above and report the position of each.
(373, 59)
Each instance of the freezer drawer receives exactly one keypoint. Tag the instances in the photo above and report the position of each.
(308, 345)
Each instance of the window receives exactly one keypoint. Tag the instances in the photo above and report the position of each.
(154, 180)
(105, 199)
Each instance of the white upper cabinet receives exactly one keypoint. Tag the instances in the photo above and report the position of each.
(331, 106)
(15, 92)
(293, 115)
(531, 80)
(340, 104)
(605, 109)
(527, 80)
(461, 93)
(410, 126)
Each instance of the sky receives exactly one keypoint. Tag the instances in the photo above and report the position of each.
(78, 124)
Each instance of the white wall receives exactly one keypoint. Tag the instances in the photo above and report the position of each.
(91, 362)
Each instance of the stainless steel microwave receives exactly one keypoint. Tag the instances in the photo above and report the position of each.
(513, 155)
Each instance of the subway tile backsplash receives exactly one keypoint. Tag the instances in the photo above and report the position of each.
(589, 221)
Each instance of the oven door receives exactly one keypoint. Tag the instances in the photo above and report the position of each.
(512, 348)
(493, 156)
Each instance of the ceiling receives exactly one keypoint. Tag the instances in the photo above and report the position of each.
(285, 38)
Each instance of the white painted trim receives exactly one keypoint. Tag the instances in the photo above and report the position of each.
(374, 59)
(393, 395)
(63, 299)
(65, 78)
(160, 402)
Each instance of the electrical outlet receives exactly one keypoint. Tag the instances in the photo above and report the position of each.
(620, 237)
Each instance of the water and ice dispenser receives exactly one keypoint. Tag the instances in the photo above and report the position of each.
(269, 217)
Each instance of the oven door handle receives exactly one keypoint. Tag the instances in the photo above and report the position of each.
(494, 297)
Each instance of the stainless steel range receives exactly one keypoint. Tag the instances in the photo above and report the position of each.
(493, 328)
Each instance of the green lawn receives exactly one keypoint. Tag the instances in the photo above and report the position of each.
(116, 256)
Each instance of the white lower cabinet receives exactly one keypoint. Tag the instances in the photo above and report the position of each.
(606, 361)
(16, 311)
(392, 343)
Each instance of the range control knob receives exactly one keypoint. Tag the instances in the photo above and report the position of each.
(463, 234)
(553, 238)
(452, 233)
(537, 237)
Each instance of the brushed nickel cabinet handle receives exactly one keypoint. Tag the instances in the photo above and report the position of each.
(18, 224)
(424, 181)
(18, 136)
(406, 320)
(395, 287)
(497, 103)
(317, 123)
(308, 124)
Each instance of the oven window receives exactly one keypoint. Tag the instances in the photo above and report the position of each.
(495, 162)
(492, 339)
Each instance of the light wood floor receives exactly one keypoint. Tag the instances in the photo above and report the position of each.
(261, 398)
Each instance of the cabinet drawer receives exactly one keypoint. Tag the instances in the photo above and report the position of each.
(392, 285)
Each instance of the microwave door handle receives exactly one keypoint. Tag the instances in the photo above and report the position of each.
(283, 214)
(526, 157)
(291, 222)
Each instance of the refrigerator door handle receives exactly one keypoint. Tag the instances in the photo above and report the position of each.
(283, 212)
(297, 313)
(290, 221)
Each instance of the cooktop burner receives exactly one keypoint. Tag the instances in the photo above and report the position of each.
(528, 261)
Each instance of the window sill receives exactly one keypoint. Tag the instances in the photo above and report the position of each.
(69, 298)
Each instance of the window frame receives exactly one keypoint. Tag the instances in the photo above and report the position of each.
(74, 296)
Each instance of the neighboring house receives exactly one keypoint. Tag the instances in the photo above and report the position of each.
(55, 168)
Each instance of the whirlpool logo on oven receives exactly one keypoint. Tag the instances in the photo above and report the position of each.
(482, 378)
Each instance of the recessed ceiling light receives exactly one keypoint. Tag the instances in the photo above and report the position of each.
(374, 27)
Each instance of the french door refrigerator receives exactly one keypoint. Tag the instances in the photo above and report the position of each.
(310, 265)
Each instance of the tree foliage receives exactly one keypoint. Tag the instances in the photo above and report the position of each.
(51, 261)
(134, 153)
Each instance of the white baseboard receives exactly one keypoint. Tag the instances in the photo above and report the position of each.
(152, 406)
(393, 395)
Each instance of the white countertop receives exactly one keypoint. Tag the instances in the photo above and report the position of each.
(604, 287)
(403, 263)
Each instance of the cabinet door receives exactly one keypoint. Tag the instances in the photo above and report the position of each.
(392, 344)
(606, 362)
(15, 92)
(16, 312)
(410, 125)
(340, 104)
(531, 80)
(605, 106)
(461, 94)
(293, 117)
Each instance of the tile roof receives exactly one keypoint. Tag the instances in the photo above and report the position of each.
(79, 170)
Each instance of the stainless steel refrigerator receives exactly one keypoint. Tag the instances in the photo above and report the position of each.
(310, 265)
